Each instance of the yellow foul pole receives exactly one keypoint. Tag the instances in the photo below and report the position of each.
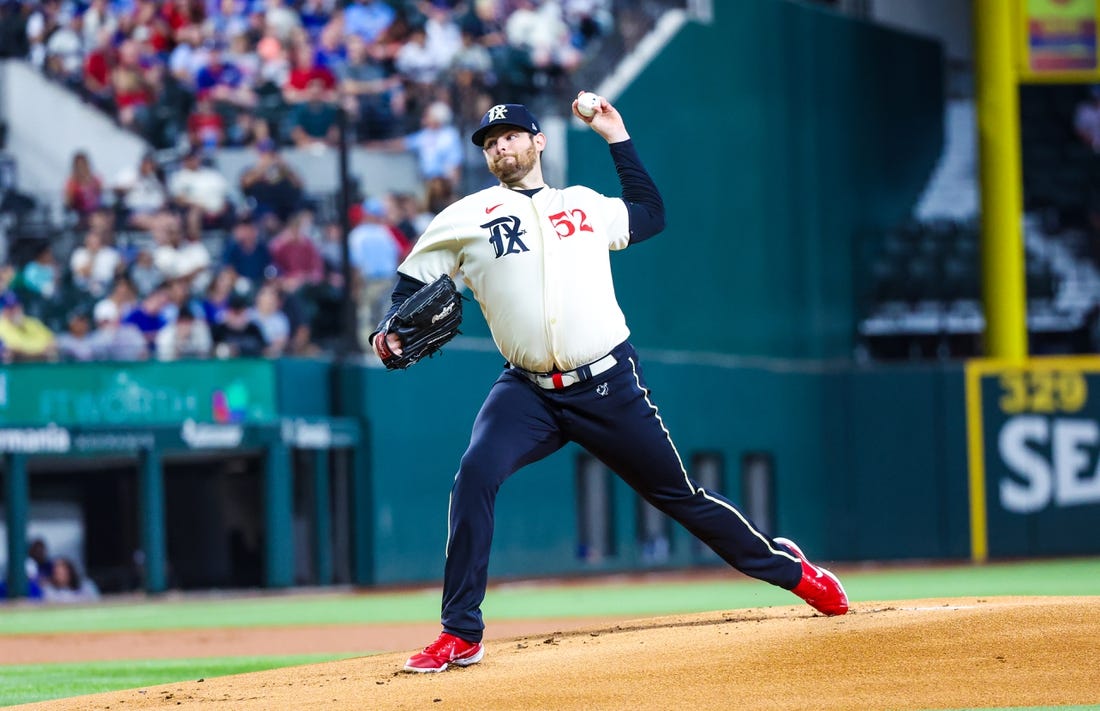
(1003, 284)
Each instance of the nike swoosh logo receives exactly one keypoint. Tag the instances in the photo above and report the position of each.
(490, 209)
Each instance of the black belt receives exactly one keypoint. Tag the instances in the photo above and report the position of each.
(557, 381)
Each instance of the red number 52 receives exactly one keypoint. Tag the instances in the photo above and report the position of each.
(566, 227)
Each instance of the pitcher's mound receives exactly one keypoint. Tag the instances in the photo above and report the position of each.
(919, 654)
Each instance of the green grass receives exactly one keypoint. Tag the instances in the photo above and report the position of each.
(24, 684)
(526, 601)
(596, 598)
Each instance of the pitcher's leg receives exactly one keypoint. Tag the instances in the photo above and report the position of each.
(629, 436)
(513, 428)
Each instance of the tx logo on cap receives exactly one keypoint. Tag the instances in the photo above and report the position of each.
(498, 112)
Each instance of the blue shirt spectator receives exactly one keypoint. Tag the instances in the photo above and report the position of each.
(368, 19)
(247, 254)
(149, 316)
(371, 245)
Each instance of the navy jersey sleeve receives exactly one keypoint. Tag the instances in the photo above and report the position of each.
(643, 201)
(406, 286)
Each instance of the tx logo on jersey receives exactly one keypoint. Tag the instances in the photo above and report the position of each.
(602, 390)
(504, 235)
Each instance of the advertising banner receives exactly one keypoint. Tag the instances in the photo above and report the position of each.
(1059, 39)
(1034, 456)
(230, 391)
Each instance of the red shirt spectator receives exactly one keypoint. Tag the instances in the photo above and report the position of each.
(303, 72)
(205, 126)
(97, 69)
(83, 188)
(179, 13)
(295, 255)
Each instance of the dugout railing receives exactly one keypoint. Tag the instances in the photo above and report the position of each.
(148, 446)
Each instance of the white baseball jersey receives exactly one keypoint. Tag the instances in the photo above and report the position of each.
(539, 266)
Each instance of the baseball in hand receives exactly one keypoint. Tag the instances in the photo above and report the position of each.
(587, 103)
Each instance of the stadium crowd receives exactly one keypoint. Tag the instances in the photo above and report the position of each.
(162, 262)
(230, 72)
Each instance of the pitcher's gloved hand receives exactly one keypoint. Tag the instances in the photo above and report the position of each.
(423, 323)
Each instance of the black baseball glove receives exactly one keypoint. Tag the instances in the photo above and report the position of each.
(424, 322)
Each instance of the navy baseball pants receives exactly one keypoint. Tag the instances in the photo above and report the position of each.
(520, 423)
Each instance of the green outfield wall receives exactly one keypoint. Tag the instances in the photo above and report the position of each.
(866, 463)
(860, 463)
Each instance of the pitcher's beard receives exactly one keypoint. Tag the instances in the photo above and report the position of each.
(511, 169)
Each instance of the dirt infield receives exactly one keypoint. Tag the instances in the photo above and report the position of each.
(925, 654)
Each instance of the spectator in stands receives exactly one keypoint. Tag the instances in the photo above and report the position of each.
(470, 73)
(149, 316)
(14, 43)
(375, 254)
(217, 293)
(98, 20)
(179, 254)
(43, 22)
(300, 311)
(124, 295)
(186, 337)
(223, 82)
(371, 92)
(39, 280)
(409, 215)
(422, 67)
(274, 66)
(172, 103)
(39, 562)
(295, 254)
(246, 253)
(117, 340)
(187, 56)
(94, 265)
(64, 49)
(206, 125)
(274, 325)
(541, 32)
(280, 20)
(181, 299)
(131, 95)
(201, 192)
(77, 343)
(143, 272)
(65, 584)
(306, 74)
(368, 19)
(237, 335)
(438, 145)
(24, 337)
(142, 193)
(83, 188)
(271, 184)
(314, 121)
(98, 65)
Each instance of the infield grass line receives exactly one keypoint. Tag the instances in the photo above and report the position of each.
(29, 683)
(606, 597)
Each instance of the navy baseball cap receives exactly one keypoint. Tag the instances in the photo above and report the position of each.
(505, 115)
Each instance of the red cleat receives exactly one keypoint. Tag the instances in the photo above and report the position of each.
(818, 587)
(446, 650)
